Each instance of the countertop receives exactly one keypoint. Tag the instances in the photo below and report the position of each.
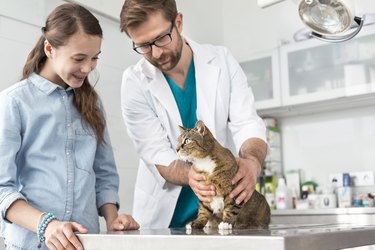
(325, 211)
(278, 237)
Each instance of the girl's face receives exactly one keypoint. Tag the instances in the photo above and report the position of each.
(70, 64)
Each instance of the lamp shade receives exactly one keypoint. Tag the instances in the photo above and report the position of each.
(326, 17)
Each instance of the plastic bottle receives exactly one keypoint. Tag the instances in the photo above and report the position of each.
(344, 193)
(282, 196)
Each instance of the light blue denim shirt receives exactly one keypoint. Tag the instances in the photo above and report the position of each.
(50, 159)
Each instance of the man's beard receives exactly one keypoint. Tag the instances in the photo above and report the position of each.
(173, 57)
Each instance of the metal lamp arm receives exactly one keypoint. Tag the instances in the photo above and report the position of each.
(336, 39)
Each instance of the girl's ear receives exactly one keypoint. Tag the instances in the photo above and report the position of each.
(48, 49)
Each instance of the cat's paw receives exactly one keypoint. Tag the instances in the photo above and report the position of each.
(224, 231)
(209, 224)
(225, 226)
(209, 230)
(188, 228)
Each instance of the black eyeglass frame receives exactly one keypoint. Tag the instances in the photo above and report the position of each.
(153, 42)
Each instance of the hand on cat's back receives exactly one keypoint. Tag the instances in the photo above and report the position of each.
(202, 191)
(245, 179)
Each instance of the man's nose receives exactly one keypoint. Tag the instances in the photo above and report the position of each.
(156, 51)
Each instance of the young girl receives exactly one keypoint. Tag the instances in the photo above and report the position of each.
(57, 170)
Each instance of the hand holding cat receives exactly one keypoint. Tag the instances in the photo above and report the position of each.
(245, 179)
(202, 191)
(123, 222)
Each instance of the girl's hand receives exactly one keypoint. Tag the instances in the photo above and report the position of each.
(60, 235)
(123, 222)
(202, 191)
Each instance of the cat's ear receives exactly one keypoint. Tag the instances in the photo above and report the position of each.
(200, 127)
(182, 129)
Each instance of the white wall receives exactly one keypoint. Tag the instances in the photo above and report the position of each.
(248, 29)
(202, 19)
(330, 142)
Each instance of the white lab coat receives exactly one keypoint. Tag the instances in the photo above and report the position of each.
(225, 103)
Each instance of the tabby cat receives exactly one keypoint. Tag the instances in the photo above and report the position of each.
(198, 147)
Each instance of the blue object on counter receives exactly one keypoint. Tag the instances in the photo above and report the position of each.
(346, 180)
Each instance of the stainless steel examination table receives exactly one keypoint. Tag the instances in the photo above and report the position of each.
(278, 237)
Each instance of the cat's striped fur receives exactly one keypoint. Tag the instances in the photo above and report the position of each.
(218, 164)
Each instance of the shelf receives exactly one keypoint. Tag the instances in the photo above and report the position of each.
(339, 103)
(326, 211)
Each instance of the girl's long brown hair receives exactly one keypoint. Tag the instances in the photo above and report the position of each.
(63, 22)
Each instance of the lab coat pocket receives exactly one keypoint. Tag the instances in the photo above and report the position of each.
(144, 207)
(85, 145)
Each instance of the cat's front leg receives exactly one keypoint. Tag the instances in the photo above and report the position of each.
(198, 223)
(204, 215)
(231, 211)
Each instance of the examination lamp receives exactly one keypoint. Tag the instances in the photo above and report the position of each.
(328, 20)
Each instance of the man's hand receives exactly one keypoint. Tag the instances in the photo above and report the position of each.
(252, 154)
(203, 191)
(245, 179)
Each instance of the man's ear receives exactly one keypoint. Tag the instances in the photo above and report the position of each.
(179, 22)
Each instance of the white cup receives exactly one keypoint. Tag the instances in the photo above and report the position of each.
(327, 201)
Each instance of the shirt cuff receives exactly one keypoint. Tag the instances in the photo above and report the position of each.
(163, 159)
(105, 197)
(245, 134)
(8, 201)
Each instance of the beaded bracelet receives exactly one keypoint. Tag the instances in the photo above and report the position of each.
(42, 227)
(39, 219)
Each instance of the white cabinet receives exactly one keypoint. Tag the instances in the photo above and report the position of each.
(316, 71)
(263, 75)
(313, 75)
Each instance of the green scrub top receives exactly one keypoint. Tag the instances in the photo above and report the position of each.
(187, 204)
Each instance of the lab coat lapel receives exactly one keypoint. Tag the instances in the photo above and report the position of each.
(159, 88)
(206, 76)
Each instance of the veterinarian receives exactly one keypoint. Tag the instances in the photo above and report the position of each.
(57, 170)
(175, 83)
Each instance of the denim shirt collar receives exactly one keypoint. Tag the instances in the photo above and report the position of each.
(45, 85)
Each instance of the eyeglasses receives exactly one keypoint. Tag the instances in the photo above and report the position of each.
(161, 41)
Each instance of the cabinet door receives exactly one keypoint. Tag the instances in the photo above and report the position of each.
(263, 75)
(314, 70)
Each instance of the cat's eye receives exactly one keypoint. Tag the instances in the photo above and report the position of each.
(187, 140)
